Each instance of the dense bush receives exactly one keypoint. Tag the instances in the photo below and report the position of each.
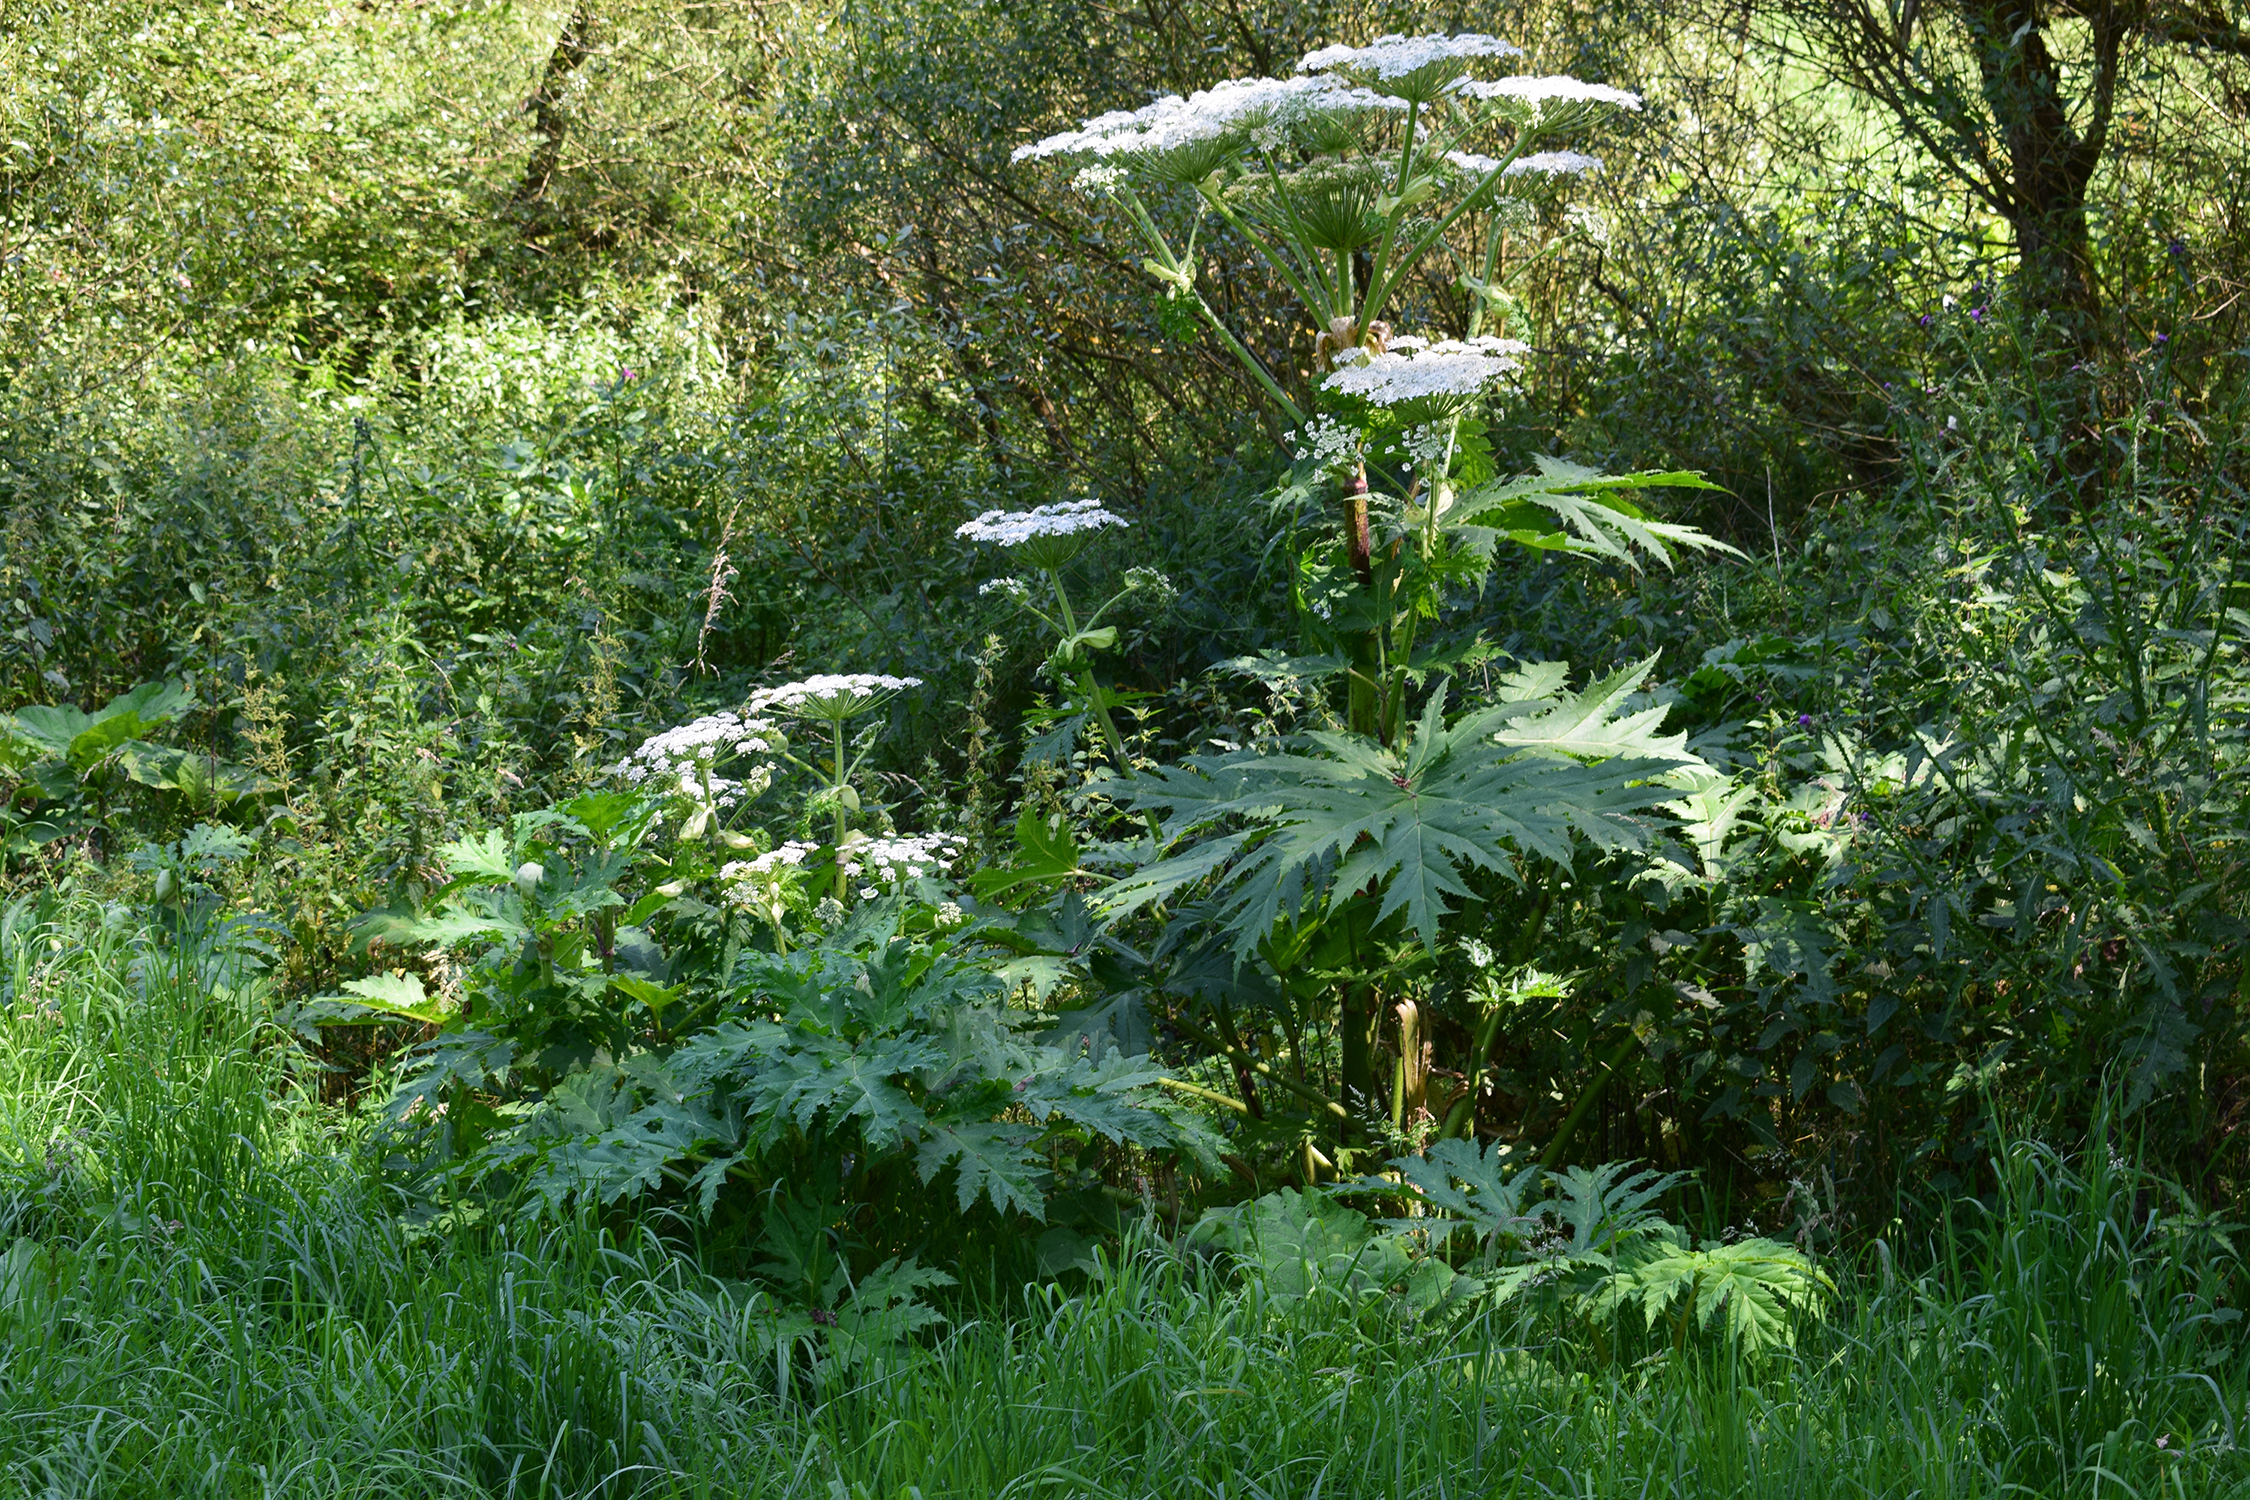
(390, 450)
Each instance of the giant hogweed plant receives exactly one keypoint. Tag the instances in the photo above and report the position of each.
(814, 1036)
(1352, 180)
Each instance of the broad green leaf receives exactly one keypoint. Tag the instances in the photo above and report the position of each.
(396, 994)
(91, 745)
(487, 855)
(151, 703)
(1595, 515)
(649, 993)
(1046, 852)
(988, 1160)
(1411, 817)
(1586, 725)
(1490, 1191)
(50, 729)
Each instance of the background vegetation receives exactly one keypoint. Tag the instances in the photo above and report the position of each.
(442, 399)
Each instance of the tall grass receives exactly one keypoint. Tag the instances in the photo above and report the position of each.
(203, 1291)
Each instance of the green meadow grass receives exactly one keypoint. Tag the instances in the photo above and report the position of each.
(205, 1291)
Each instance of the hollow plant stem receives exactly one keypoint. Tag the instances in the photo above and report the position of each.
(839, 784)
(1100, 705)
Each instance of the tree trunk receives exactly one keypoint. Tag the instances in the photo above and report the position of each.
(549, 122)
(2050, 163)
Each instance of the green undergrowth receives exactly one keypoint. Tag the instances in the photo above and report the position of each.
(207, 1289)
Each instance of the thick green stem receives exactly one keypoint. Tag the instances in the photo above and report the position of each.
(1182, 278)
(1361, 1008)
(1098, 703)
(1551, 1158)
(838, 786)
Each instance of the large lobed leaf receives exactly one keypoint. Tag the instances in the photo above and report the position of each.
(1529, 776)
(1593, 510)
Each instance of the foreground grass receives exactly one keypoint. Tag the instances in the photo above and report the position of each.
(203, 1293)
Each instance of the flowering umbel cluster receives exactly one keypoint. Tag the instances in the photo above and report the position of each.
(1426, 376)
(831, 695)
(1010, 528)
(894, 860)
(682, 761)
(1048, 537)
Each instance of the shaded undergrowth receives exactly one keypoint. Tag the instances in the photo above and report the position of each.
(206, 1290)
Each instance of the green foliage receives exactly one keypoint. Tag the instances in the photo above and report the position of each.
(884, 1046)
(188, 1234)
(1302, 1245)
(1529, 775)
(67, 765)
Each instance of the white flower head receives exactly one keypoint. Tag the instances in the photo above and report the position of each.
(1331, 444)
(1047, 537)
(1014, 588)
(1431, 379)
(1588, 222)
(1545, 95)
(1098, 178)
(1554, 164)
(1185, 140)
(891, 861)
(1426, 447)
(758, 884)
(1414, 68)
(835, 696)
(681, 762)
(1152, 582)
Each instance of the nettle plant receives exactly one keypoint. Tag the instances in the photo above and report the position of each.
(1372, 170)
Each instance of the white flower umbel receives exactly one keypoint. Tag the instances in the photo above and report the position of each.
(773, 862)
(1541, 163)
(1331, 444)
(1185, 140)
(1414, 68)
(698, 745)
(1048, 537)
(1527, 89)
(761, 885)
(682, 762)
(834, 697)
(895, 860)
(1555, 164)
(1396, 56)
(1434, 379)
(1588, 222)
